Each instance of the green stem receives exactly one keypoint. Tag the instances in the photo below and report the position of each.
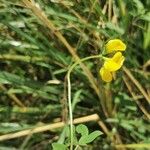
(70, 112)
(76, 147)
(69, 94)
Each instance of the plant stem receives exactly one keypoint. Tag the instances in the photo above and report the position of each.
(69, 94)
(70, 112)
(76, 147)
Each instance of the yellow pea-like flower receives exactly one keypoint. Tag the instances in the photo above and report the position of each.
(115, 45)
(114, 63)
(110, 66)
(106, 75)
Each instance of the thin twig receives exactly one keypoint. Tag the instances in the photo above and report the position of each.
(109, 10)
(138, 85)
(135, 98)
(133, 146)
(43, 128)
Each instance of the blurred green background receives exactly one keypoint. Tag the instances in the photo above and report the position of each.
(41, 39)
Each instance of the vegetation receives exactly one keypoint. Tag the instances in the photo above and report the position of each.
(41, 42)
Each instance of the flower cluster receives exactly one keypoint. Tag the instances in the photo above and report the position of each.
(111, 65)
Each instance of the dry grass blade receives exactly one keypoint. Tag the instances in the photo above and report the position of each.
(13, 97)
(138, 85)
(43, 128)
(134, 146)
(135, 98)
(22, 58)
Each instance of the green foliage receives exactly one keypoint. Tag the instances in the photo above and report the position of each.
(85, 138)
(34, 63)
(57, 146)
(82, 129)
(89, 138)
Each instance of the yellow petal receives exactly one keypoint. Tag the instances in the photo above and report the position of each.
(117, 56)
(112, 66)
(114, 63)
(115, 45)
(105, 75)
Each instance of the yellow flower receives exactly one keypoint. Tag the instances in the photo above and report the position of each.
(105, 75)
(114, 63)
(115, 45)
(110, 66)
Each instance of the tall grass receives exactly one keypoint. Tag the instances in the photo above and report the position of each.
(40, 40)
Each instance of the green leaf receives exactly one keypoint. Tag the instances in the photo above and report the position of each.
(127, 126)
(76, 98)
(115, 28)
(57, 146)
(139, 5)
(145, 17)
(63, 135)
(89, 138)
(82, 129)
